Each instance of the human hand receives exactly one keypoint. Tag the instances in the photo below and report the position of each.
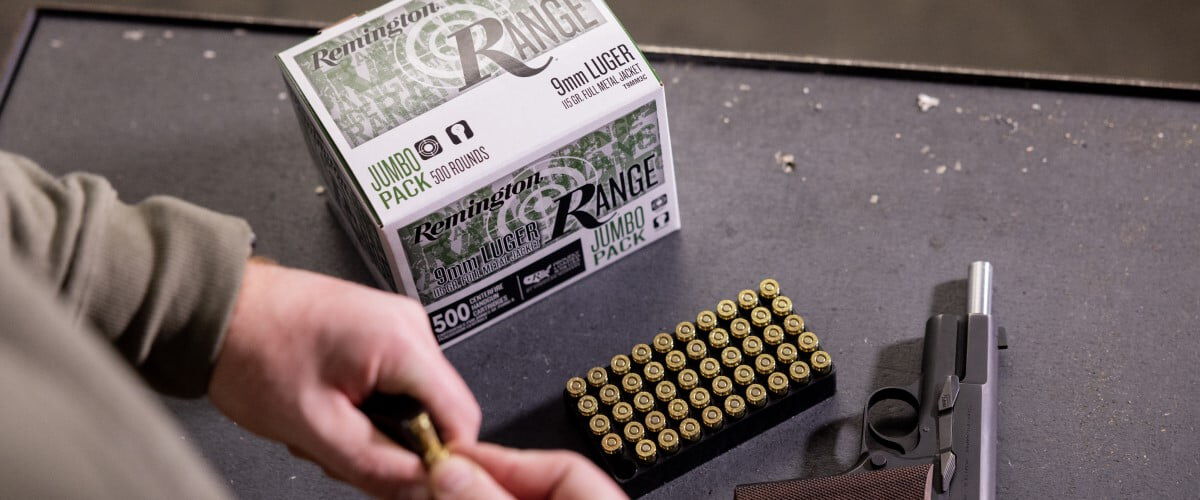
(487, 471)
(303, 350)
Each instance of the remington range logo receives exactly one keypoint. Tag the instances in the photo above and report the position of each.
(331, 57)
(539, 27)
(432, 230)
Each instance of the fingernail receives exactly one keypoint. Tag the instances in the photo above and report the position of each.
(452, 475)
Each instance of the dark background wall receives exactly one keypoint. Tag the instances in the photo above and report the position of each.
(1152, 39)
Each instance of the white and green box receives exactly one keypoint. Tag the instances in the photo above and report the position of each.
(485, 153)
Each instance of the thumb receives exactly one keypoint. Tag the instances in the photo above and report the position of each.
(456, 478)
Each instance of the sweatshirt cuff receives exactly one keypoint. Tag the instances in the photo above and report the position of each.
(166, 281)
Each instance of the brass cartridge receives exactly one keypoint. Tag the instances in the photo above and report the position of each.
(752, 346)
(764, 364)
(781, 306)
(821, 362)
(760, 317)
(677, 409)
(656, 421)
(747, 300)
(798, 372)
(743, 375)
(641, 354)
(768, 289)
(756, 395)
(688, 379)
(772, 335)
(718, 338)
(599, 425)
(576, 387)
(706, 320)
(808, 342)
(634, 431)
(787, 353)
(668, 440)
(727, 310)
(620, 364)
(654, 371)
(622, 412)
(699, 397)
(675, 360)
(587, 406)
(731, 357)
(643, 401)
(609, 394)
(597, 376)
(611, 444)
(793, 324)
(690, 429)
(735, 406)
(665, 391)
(646, 450)
(712, 416)
(709, 367)
(778, 383)
(631, 382)
(685, 331)
(722, 386)
(663, 343)
(739, 328)
(696, 350)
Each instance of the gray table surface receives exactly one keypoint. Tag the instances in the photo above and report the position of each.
(1084, 203)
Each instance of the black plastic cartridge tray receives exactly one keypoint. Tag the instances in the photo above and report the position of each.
(637, 479)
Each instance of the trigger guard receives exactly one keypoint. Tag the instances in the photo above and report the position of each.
(890, 394)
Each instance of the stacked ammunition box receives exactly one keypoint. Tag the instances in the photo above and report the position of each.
(700, 389)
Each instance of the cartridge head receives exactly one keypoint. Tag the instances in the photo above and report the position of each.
(706, 320)
(587, 406)
(611, 444)
(768, 288)
(793, 324)
(747, 300)
(760, 317)
(739, 328)
(576, 387)
(731, 357)
(688, 379)
(722, 386)
(778, 383)
(609, 394)
(656, 421)
(675, 360)
(641, 354)
(699, 397)
(689, 428)
(685, 331)
(735, 406)
(712, 417)
(647, 451)
(718, 338)
(808, 342)
(668, 440)
(654, 371)
(743, 375)
(631, 382)
(821, 362)
(696, 349)
(764, 364)
(798, 372)
(677, 409)
(709, 367)
(665, 391)
(663, 343)
(599, 425)
(643, 401)
(752, 346)
(622, 412)
(620, 364)
(787, 353)
(634, 431)
(781, 306)
(727, 310)
(756, 395)
(597, 376)
(772, 335)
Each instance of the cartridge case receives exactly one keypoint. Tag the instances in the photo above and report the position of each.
(722, 386)
(647, 451)
(798, 372)
(654, 371)
(781, 306)
(747, 300)
(706, 320)
(778, 383)
(612, 444)
(727, 310)
(756, 395)
(689, 428)
(821, 362)
(709, 367)
(768, 289)
(699, 397)
(665, 391)
(718, 338)
(587, 406)
(685, 331)
(622, 412)
(609, 394)
(576, 387)
(760, 317)
(668, 440)
(663, 343)
(786, 353)
(764, 364)
(641, 354)
(731, 356)
(793, 324)
(643, 401)
(688, 379)
(620, 364)
(631, 382)
(677, 409)
(634, 431)
(599, 425)
(735, 406)
(752, 346)
(656, 421)
(743, 375)
(675, 360)
(739, 328)
(597, 376)
(712, 417)
(696, 350)
(808, 342)
(772, 335)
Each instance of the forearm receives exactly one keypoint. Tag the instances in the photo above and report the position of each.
(158, 278)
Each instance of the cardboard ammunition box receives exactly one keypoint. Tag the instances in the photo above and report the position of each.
(483, 154)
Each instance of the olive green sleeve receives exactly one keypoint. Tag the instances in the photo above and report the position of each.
(158, 278)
